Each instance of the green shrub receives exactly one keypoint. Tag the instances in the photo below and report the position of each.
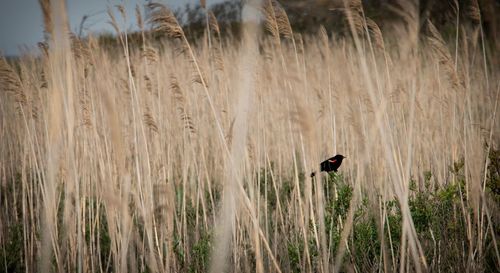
(11, 254)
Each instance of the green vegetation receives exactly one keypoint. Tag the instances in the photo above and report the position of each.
(437, 215)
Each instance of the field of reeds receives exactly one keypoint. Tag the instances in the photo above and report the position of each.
(174, 155)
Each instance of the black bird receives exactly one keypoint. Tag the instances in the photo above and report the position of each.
(331, 164)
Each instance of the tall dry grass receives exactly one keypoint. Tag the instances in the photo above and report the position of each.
(143, 159)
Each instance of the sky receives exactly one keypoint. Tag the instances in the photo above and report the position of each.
(21, 23)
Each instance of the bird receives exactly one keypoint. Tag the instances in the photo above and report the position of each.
(331, 164)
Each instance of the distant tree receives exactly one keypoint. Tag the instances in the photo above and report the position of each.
(228, 14)
(307, 15)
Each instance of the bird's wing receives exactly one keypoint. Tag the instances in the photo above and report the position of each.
(323, 166)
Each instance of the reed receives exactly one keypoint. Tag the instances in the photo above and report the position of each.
(176, 157)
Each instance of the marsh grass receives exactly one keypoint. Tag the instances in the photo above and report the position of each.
(179, 157)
